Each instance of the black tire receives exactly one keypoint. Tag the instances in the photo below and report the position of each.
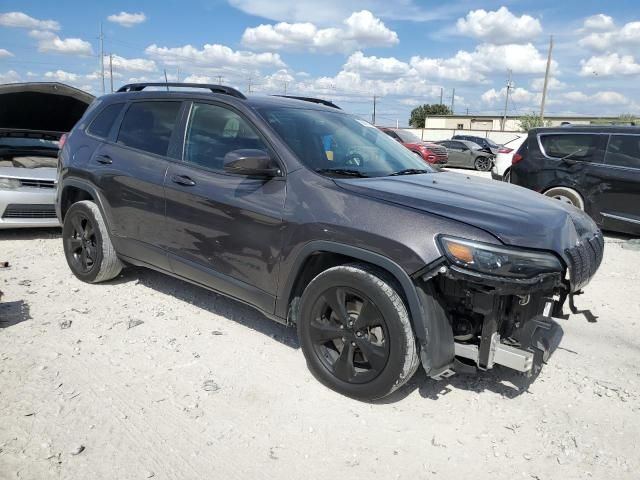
(483, 164)
(367, 352)
(87, 246)
(507, 177)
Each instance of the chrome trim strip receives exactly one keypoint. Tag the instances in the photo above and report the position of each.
(617, 217)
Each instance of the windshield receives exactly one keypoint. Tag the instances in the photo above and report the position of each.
(491, 143)
(337, 144)
(407, 137)
(28, 143)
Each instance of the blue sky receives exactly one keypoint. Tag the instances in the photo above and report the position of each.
(404, 51)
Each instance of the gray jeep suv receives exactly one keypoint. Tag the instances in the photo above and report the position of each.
(319, 220)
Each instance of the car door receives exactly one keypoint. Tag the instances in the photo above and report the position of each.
(224, 230)
(458, 153)
(129, 172)
(619, 197)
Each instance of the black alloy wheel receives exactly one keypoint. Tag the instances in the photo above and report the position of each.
(82, 243)
(349, 335)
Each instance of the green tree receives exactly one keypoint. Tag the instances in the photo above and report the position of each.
(628, 118)
(532, 120)
(419, 114)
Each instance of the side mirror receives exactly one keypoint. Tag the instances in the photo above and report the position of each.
(251, 162)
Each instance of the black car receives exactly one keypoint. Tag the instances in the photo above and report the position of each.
(596, 169)
(486, 143)
(320, 220)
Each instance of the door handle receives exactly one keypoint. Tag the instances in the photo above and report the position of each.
(183, 180)
(104, 159)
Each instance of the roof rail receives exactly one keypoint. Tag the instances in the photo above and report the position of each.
(312, 100)
(137, 87)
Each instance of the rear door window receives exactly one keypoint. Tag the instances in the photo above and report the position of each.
(624, 151)
(148, 126)
(582, 147)
(101, 125)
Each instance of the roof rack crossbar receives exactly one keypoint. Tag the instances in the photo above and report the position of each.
(137, 87)
(312, 100)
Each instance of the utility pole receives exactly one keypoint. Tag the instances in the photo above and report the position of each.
(219, 79)
(102, 56)
(111, 70)
(506, 102)
(546, 80)
(177, 74)
(249, 85)
(453, 99)
(441, 93)
(373, 116)
(165, 79)
(285, 87)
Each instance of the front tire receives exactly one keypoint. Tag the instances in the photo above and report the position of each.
(87, 246)
(355, 332)
(483, 164)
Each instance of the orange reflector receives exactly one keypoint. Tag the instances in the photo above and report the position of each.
(461, 252)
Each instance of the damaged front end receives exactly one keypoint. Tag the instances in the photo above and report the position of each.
(499, 303)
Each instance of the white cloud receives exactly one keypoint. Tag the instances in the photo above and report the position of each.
(376, 66)
(22, 20)
(607, 65)
(4, 53)
(599, 22)
(485, 59)
(49, 42)
(131, 64)
(327, 12)
(537, 84)
(126, 19)
(62, 76)
(9, 77)
(521, 96)
(499, 27)
(360, 30)
(599, 98)
(213, 57)
(626, 37)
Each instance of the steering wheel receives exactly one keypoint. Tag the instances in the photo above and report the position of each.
(353, 159)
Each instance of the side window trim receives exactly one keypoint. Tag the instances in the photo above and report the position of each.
(116, 121)
(185, 127)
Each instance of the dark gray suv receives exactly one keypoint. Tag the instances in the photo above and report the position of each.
(319, 220)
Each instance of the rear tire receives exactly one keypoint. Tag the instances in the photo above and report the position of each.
(507, 177)
(566, 195)
(355, 332)
(87, 246)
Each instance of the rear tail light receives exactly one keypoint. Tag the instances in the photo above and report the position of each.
(516, 158)
(505, 150)
(63, 140)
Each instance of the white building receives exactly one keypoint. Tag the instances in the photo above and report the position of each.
(488, 123)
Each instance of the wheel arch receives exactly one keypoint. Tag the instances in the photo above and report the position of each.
(317, 256)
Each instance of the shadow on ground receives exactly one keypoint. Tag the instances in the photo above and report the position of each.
(211, 302)
(13, 313)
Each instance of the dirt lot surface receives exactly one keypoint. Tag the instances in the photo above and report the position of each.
(150, 377)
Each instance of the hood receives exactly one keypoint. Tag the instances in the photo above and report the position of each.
(48, 107)
(514, 215)
(42, 173)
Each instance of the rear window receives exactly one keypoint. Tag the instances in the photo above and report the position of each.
(575, 146)
(624, 151)
(101, 125)
(148, 126)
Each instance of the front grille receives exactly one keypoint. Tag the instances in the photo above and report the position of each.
(29, 211)
(38, 183)
(584, 260)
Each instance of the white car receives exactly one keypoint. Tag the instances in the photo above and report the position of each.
(33, 117)
(502, 162)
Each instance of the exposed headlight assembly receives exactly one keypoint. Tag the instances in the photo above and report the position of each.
(498, 260)
(9, 183)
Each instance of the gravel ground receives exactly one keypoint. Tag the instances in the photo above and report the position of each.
(150, 377)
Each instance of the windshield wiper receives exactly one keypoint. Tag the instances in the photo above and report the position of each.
(409, 171)
(342, 171)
